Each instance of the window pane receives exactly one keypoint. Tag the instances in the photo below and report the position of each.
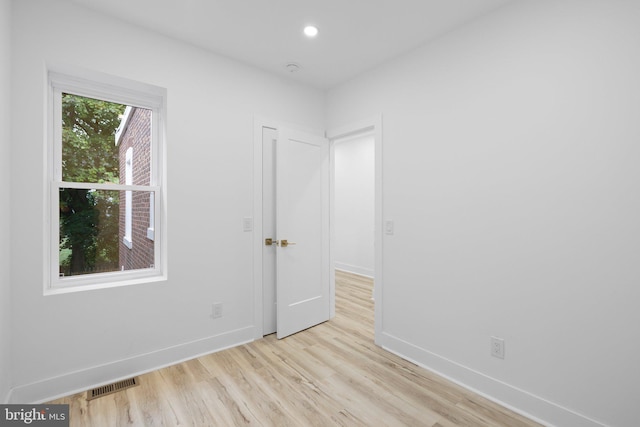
(92, 231)
(89, 153)
(136, 248)
(95, 137)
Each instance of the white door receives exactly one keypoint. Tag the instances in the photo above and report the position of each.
(302, 231)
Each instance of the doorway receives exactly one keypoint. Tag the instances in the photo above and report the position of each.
(353, 204)
(265, 304)
(365, 131)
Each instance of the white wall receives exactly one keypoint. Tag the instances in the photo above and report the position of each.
(5, 165)
(510, 168)
(70, 341)
(354, 168)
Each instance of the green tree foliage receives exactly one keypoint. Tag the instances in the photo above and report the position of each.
(89, 219)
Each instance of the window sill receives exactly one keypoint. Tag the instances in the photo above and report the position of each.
(71, 288)
(127, 242)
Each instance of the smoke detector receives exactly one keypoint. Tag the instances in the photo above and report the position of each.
(292, 67)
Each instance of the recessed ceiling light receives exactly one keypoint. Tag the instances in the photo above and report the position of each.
(310, 31)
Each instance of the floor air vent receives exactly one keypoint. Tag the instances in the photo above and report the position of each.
(112, 388)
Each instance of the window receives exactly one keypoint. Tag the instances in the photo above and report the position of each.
(106, 180)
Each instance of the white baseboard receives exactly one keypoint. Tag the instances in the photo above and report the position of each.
(85, 379)
(513, 398)
(361, 271)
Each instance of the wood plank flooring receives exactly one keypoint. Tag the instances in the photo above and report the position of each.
(329, 375)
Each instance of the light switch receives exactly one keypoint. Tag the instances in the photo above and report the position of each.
(247, 224)
(388, 227)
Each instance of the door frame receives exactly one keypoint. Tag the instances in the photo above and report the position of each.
(372, 126)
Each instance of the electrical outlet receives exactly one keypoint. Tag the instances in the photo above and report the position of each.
(497, 347)
(217, 310)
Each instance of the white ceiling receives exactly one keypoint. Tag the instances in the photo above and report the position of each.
(355, 35)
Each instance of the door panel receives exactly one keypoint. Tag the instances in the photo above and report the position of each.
(302, 218)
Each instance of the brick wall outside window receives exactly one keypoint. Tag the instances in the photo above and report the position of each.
(137, 135)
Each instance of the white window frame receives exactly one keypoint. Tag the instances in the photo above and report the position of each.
(123, 91)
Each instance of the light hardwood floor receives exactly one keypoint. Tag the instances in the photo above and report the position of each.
(328, 375)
